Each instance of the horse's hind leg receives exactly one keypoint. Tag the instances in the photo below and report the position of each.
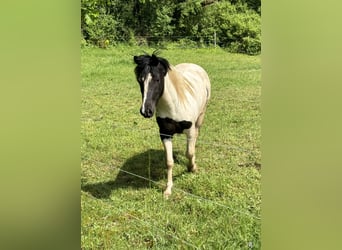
(192, 135)
(169, 163)
(200, 119)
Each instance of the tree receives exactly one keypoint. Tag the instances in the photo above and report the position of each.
(236, 22)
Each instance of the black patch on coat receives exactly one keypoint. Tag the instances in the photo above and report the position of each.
(169, 127)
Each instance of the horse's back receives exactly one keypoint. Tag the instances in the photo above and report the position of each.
(196, 76)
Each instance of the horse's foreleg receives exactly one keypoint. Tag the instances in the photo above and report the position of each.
(190, 152)
(169, 164)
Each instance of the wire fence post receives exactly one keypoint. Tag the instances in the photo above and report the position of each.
(215, 39)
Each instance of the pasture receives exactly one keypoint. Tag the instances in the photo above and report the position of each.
(123, 173)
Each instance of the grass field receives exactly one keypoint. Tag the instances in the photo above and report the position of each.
(122, 159)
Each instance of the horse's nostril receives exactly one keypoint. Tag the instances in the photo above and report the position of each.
(149, 113)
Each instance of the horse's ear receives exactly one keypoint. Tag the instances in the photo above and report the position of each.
(165, 65)
(154, 60)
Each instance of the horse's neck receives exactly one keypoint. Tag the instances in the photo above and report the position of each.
(176, 97)
(173, 96)
(177, 86)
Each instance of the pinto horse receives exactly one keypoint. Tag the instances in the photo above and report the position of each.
(179, 96)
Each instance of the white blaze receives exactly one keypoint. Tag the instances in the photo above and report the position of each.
(146, 83)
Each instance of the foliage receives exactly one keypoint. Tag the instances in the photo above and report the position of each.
(189, 22)
(103, 22)
(102, 30)
(252, 4)
(236, 22)
(237, 27)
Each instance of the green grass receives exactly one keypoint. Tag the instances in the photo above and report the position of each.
(216, 208)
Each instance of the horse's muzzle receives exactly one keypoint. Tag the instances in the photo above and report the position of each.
(147, 113)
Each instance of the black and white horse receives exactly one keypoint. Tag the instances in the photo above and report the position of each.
(179, 96)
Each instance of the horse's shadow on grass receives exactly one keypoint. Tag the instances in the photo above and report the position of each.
(134, 173)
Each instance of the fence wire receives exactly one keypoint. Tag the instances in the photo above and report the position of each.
(152, 137)
(189, 194)
(200, 142)
(150, 134)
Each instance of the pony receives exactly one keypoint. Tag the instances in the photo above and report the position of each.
(178, 95)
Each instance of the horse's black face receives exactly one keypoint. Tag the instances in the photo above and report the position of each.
(152, 87)
(150, 73)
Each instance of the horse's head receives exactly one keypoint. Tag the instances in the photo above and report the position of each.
(150, 73)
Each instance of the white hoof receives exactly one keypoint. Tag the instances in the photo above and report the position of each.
(167, 193)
